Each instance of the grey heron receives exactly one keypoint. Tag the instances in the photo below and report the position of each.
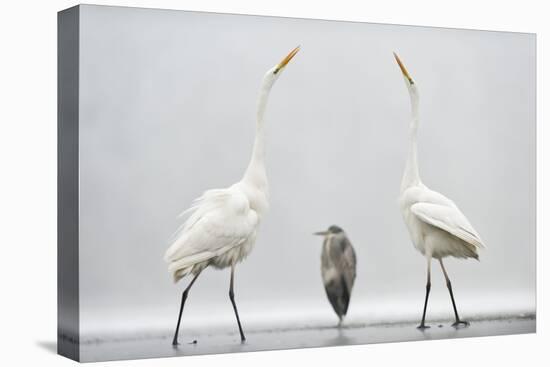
(338, 269)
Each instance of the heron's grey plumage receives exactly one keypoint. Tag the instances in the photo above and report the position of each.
(338, 269)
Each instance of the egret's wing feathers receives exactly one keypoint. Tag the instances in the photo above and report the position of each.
(209, 200)
(221, 220)
(448, 218)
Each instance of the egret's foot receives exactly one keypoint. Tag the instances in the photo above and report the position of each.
(422, 327)
(175, 343)
(461, 324)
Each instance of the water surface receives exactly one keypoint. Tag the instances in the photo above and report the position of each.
(194, 342)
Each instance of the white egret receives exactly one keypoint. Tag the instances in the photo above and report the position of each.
(338, 263)
(221, 229)
(436, 226)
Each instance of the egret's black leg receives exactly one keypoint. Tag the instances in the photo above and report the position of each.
(232, 298)
(457, 322)
(422, 325)
(183, 298)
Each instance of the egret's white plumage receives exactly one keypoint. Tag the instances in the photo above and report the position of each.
(220, 231)
(436, 225)
(222, 225)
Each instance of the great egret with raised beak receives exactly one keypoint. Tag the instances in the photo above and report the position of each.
(338, 269)
(436, 226)
(223, 223)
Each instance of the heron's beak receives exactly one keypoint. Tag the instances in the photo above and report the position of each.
(321, 233)
(287, 59)
(403, 69)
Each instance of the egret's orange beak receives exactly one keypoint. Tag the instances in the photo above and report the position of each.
(288, 57)
(403, 69)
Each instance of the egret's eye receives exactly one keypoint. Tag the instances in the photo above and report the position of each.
(276, 71)
(411, 81)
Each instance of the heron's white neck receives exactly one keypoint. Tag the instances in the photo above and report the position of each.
(411, 175)
(255, 173)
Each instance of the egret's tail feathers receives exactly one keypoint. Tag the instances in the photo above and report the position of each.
(172, 252)
(176, 276)
(471, 250)
(184, 266)
(182, 273)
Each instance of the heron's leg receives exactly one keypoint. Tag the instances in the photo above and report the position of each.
(183, 298)
(232, 298)
(457, 319)
(422, 325)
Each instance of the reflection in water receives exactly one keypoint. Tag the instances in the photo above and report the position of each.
(341, 338)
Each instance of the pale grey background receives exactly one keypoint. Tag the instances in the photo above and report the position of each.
(167, 110)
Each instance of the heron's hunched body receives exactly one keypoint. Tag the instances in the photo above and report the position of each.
(338, 269)
(223, 223)
(436, 226)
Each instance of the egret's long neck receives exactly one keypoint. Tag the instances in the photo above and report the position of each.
(411, 176)
(255, 173)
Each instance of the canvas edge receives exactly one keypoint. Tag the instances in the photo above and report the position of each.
(68, 318)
